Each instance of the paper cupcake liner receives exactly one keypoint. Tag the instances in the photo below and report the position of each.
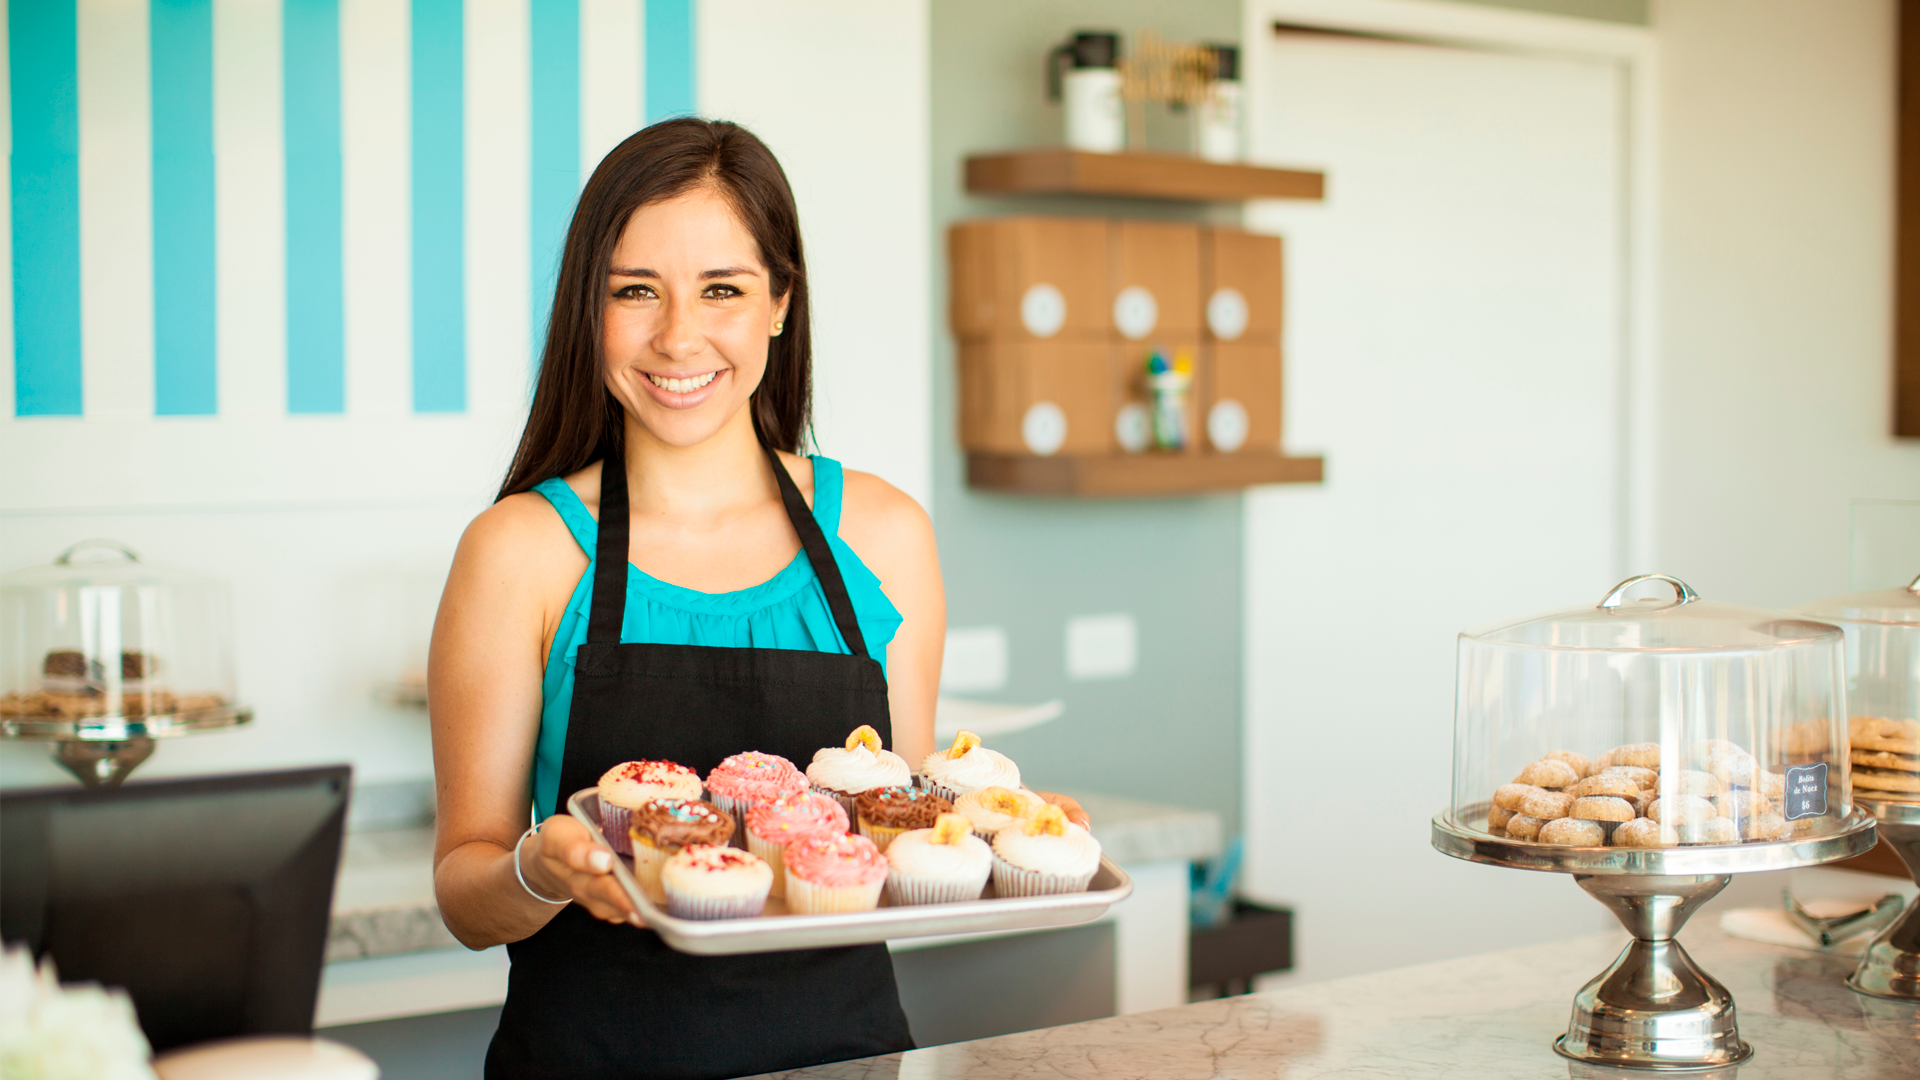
(903, 889)
(614, 821)
(940, 789)
(738, 809)
(1011, 880)
(683, 905)
(806, 898)
(881, 835)
(841, 797)
(647, 861)
(772, 854)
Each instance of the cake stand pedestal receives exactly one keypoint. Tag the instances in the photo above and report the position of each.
(1654, 1008)
(1891, 966)
(103, 750)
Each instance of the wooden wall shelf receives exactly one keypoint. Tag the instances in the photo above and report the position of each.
(1058, 171)
(1136, 474)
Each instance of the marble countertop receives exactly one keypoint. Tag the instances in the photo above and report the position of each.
(383, 903)
(1482, 1017)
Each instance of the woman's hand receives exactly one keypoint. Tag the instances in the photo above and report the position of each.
(1069, 806)
(562, 859)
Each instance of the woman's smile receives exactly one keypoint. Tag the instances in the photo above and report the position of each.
(682, 391)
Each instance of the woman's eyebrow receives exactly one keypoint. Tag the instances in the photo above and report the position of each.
(728, 271)
(705, 275)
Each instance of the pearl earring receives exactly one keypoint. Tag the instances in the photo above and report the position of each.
(777, 327)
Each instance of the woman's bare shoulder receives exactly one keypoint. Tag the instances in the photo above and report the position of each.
(521, 537)
(879, 520)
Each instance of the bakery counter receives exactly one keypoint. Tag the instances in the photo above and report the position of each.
(1486, 1017)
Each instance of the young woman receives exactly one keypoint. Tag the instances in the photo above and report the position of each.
(663, 576)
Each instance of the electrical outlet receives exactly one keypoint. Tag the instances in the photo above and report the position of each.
(975, 660)
(1101, 646)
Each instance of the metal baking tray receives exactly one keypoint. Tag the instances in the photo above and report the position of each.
(776, 930)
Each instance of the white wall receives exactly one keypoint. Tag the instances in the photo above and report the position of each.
(1776, 236)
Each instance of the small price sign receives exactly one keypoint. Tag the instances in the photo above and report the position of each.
(1806, 791)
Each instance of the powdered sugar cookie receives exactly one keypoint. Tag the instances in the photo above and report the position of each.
(1546, 805)
(1580, 763)
(1646, 755)
(1508, 796)
(1547, 773)
(1573, 832)
(1602, 808)
(1681, 810)
(1616, 784)
(1645, 832)
(1522, 827)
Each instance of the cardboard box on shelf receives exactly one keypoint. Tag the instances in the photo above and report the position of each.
(1029, 278)
(1240, 398)
(1042, 397)
(1242, 286)
(1154, 287)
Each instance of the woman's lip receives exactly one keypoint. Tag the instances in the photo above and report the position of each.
(687, 400)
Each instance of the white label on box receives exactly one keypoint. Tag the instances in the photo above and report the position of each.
(1101, 646)
(1227, 425)
(1043, 310)
(1044, 428)
(1133, 427)
(1135, 312)
(975, 660)
(1227, 314)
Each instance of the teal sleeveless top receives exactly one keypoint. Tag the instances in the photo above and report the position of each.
(788, 611)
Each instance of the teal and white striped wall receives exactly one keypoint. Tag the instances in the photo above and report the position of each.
(305, 207)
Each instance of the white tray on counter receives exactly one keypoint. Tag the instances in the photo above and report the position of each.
(777, 930)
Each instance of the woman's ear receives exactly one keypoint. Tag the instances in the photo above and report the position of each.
(779, 322)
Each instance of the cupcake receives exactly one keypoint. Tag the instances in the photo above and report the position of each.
(1044, 854)
(703, 881)
(632, 784)
(662, 827)
(991, 809)
(861, 766)
(942, 865)
(742, 780)
(833, 873)
(967, 766)
(885, 812)
(771, 826)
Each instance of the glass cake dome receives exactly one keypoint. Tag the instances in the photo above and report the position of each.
(1883, 687)
(99, 645)
(1652, 719)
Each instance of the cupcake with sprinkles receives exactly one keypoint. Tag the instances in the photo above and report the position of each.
(743, 780)
(708, 882)
(661, 828)
(968, 766)
(772, 825)
(632, 784)
(834, 873)
(861, 765)
(886, 812)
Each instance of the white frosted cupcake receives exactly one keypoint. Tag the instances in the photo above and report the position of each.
(632, 784)
(967, 766)
(1043, 855)
(991, 809)
(942, 865)
(862, 765)
(705, 881)
(833, 873)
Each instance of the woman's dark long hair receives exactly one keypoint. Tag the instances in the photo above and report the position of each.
(575, 420)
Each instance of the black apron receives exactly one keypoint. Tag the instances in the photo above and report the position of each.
(588, 999)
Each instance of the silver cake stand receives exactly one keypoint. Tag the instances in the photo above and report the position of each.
(1654, 1008)
(103, 750)
(1891, 966)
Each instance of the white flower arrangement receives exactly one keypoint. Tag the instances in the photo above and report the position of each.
(54, 1032)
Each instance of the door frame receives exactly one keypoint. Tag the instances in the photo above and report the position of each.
(1634, 50)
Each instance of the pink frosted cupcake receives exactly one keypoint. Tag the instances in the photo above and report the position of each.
(742, 780)
(708, 882)
(771, 826)
(834, 873)
(632, 784)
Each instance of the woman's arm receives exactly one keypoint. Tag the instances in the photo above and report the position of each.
(892, 535)
(490, 638)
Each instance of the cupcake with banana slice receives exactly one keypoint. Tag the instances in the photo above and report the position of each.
(862, 765)
(967, 766)
(942, 865)
(1043, 855)
(991, 809)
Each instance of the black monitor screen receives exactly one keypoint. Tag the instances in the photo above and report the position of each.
(206, 898)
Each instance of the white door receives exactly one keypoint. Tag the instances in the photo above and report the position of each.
(1454, 348)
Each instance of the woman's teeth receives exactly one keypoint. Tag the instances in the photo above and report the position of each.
(683, 386)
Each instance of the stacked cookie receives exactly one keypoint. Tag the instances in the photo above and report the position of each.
(1624, 799)
(1885, 755)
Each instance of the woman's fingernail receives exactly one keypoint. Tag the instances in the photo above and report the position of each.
(600, 861)
(634, 918)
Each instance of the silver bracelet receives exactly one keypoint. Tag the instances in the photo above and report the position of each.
(517, 872)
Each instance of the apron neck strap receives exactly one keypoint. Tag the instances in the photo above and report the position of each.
(610, 556)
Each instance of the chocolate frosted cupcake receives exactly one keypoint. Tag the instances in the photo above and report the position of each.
(662, 827)
(632, 784)
(886, 812)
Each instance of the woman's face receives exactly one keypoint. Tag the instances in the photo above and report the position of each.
(689, 311)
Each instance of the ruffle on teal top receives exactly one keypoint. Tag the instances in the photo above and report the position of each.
(787, 612)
